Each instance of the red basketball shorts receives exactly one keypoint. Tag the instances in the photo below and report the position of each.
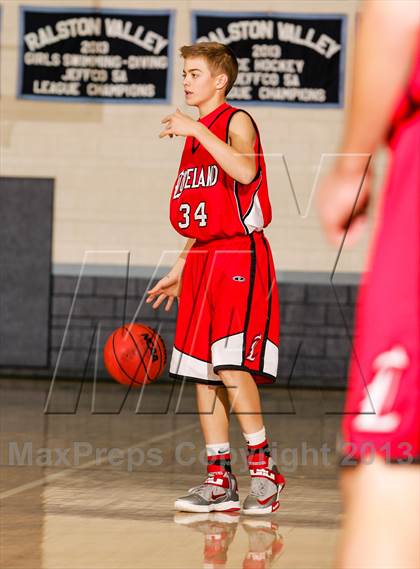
(382, 412)
(228, 311)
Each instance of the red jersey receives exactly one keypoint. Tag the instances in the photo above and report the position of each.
(206, 203)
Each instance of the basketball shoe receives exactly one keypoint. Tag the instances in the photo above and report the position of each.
(266, 485)
(219, 493)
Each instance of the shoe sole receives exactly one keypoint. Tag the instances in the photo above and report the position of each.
(231, 506)
(269, 509)
(188, 518)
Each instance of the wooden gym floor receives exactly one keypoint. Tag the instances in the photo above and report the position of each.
(90, 485)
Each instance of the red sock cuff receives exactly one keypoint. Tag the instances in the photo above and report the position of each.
(260, 445)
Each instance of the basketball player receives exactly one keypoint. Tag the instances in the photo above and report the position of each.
(227, 331)
(381, 427)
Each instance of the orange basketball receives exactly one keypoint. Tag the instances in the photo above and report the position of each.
(134, 355)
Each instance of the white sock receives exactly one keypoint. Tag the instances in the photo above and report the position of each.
(217, 448)
(255, 438)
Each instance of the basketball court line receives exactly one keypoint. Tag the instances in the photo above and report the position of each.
(63, 473)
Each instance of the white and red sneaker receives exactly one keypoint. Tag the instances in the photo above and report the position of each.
(219, 493)
(266, 485)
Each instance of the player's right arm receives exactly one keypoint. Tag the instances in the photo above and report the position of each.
(190, 242)
(170, 285)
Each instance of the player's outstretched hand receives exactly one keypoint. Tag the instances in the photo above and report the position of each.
(178, 124)
(340, 214)
(168, 287)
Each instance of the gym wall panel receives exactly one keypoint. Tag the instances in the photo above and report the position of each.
(25, 270)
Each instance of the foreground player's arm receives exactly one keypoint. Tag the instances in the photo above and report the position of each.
(385, 45)
(238, 158)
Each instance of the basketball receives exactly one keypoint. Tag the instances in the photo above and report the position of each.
(135, 354)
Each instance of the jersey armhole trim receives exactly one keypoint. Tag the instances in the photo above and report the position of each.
(238, 205)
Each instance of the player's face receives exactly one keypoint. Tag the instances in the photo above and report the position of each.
(199, 83)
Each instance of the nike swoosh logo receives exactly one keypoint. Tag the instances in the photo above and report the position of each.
(266, 500)
(215, 496)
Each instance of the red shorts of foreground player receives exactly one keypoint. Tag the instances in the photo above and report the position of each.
(228, 311)
(383, 398)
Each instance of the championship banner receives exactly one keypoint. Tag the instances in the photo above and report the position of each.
(82, 54)
(284, 59)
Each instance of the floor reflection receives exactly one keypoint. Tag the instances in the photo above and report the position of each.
(265, 544)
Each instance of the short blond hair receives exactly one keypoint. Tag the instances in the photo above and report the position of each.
(220, 59)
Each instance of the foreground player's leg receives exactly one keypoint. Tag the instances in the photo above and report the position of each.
(381, 524)
(266, 480)
(219, 492)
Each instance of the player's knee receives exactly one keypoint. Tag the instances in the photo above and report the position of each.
(204, 388)
(231, 377)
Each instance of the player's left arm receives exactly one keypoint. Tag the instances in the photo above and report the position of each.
(237, 158)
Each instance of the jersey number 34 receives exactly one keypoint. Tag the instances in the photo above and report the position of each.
(199, 215)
